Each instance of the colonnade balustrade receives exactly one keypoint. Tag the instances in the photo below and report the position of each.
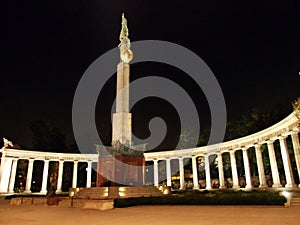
(9, 165)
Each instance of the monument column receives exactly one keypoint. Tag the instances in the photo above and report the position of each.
(221, 171)
(195, 172)
(296, 146)
(29, 176)
(45, 176)
(13, 176)
(234, 170)
(122, 121)
(181, 174)
(247, 169)
(273, 163)
(168, 172)
(260, 167)
(286, 163)
(207, 171)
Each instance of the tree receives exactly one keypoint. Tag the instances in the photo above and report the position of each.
(46, 136)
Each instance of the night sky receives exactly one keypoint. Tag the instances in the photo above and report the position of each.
(253, 48)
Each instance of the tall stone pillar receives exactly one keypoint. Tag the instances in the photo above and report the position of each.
(168, 172)
(60, 176)
(207, 171)
(45, 176)
(274, 168)
(74, 180)
(122, 119)
(260, 166)
(155, 171)
(13, 176)
(286, 163)
(247, 169)
(181, 174)
(29, 176)
(89, 174)
(195, 172)
(6, 169)
(221, 171)
(296, 146)
(234, 170)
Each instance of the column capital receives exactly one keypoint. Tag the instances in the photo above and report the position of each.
(270, 141)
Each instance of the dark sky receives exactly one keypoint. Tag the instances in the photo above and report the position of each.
(253, 48)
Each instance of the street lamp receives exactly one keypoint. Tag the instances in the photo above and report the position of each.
(71, 193)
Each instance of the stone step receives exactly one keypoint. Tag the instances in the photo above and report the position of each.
(124, 192)
(295, 202)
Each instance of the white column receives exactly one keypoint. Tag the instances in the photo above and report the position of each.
(2, 164)
(260, 167)
(181, 174)
(155, 171)
(45, 177)
(247, 169)
(221, 171)
(296, 147)
(6, 169)
(75, 168)
(234, 170)
(13, 176)
(168, 172)
(89, 174)
(29, 176)
(207, 171)
(195, 172)
(273, 163)
(286, 163)
(60, 176)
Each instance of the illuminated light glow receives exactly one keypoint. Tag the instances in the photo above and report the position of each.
(286, 194)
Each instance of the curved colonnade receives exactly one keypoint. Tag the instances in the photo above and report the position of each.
(280, 131)
(288, 127)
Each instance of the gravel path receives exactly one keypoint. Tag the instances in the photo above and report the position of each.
(173, 215)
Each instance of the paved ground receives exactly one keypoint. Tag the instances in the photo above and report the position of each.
(173, 215)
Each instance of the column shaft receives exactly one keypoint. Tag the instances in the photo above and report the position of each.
(234, 170)
(247, 169)
(207, 171)
(60, 176)
(274, 168)
(286, 163)
(6, 169)
(296, 146)
(168, 172)
(74, 180)
(195, 172)
(29, 176)
(89, 175)
(155, 171)
(13, 176)
(260, 167)
(181, 174)
(45, 176)
(221, 171)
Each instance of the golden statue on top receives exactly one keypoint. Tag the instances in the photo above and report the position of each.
(126, 54)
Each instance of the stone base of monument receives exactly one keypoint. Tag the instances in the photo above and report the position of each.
(99, 204)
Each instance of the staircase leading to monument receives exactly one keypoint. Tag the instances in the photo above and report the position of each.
(118, 192)
(295, 202)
